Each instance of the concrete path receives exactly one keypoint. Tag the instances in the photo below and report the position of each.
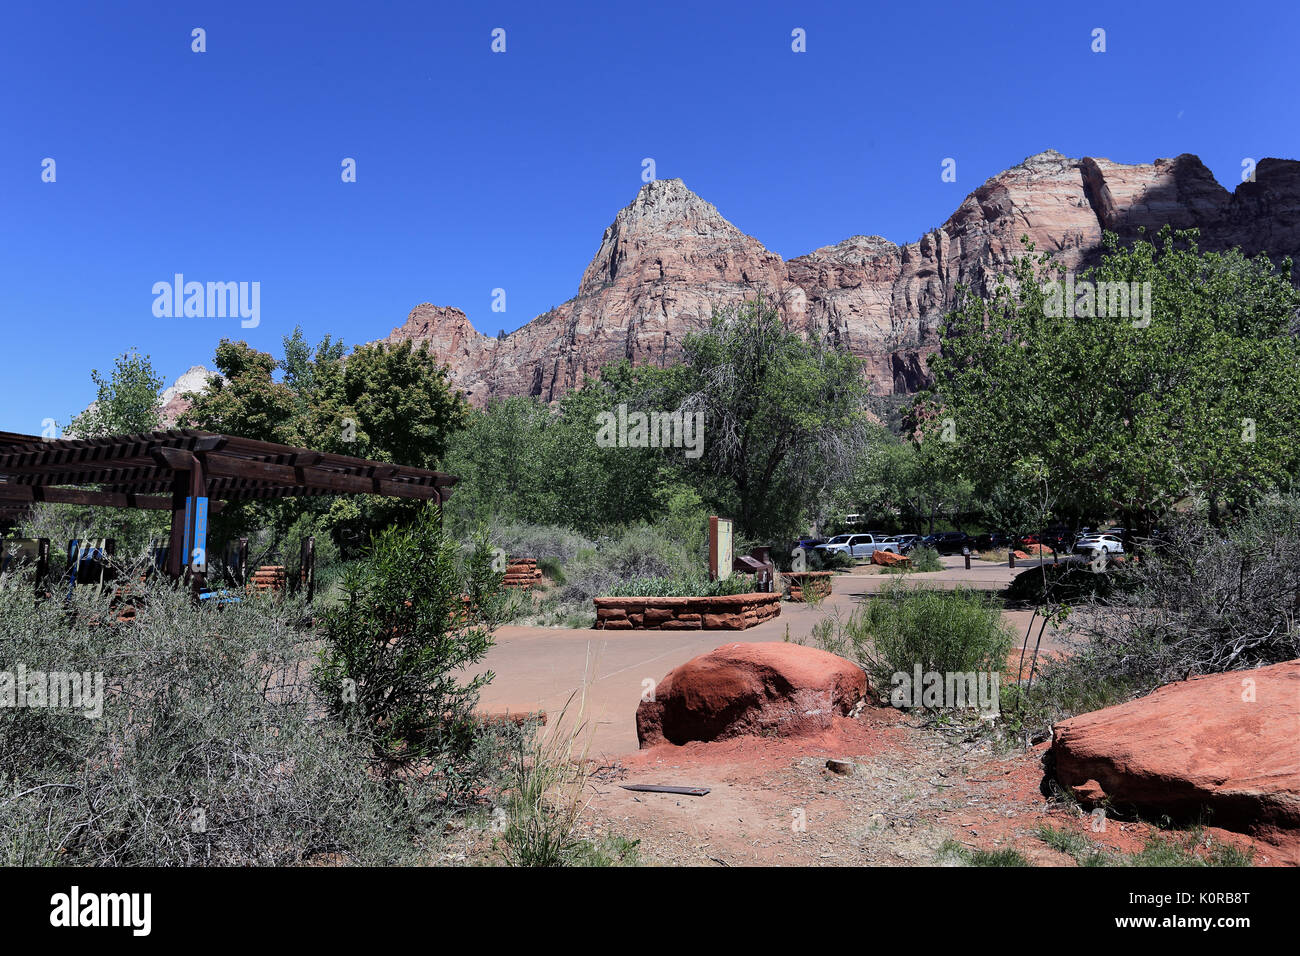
(538, 668)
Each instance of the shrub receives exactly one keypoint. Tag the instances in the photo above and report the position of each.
(397, 639)
(639, 551)
(1201, 601)
(210, 749)
(552, 569)
(540, 541)
(689, 586)
(925, 559)
(1067, 583)
(944, 631)
(544, 794)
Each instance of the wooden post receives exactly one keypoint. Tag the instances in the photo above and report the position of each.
(180, 513)
(42, 564)
(307, 565)
(197, 532)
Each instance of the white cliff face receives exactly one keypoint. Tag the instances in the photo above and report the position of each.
(195, 379)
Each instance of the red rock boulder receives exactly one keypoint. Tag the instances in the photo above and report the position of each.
(1229, 743)
(750, 689)
(888, 558)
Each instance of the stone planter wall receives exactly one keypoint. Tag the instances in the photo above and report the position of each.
(522, 573)
(816, 583)
(732, 612)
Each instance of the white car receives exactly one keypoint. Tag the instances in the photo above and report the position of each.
(857, 545)
(1107, 543)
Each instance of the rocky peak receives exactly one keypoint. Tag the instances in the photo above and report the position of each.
(664, 214)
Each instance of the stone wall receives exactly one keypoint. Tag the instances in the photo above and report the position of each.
(817, 583)
(732, 612)
(522, 574)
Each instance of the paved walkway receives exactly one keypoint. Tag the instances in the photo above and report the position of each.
(538, 668)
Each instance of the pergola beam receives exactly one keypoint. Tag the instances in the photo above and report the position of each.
(20, 495)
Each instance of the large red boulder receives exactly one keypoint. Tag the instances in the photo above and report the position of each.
(748, 689)
(1229, 743)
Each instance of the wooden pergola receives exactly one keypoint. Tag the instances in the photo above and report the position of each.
(191, 473)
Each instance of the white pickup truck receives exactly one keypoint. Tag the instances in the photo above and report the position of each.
(858, 545)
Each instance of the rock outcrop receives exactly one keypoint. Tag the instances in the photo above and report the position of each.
(670, 258)
(738, 690)
(1226, 743)
(172, 402)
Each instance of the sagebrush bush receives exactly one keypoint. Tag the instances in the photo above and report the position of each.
(637, 552)
(212, 747)
(1201, 600)
(539, 541)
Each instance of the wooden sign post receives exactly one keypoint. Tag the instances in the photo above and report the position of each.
(721, 550)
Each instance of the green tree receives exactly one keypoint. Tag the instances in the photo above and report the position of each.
(126, 402)
(783, 417)
(1127, 416)
(383, 403)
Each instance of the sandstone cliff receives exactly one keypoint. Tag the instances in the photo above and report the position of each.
(670, 257)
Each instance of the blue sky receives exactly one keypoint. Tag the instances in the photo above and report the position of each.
(478, 170)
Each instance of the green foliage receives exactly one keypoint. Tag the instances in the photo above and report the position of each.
(969, 856)
(782, 414)
(946, 631)
(209, 750)
(126, 402)
(1190, 849)
(397, 640)
(392, 404)
(522, 461)
(544, 786)
(698, 586)
(925, 559)
(1128, 419)
(903, 480)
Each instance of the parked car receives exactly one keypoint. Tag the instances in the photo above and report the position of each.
(857, 545)
(990, 542)
(1090, 544)
(905, 542)
(948, 542)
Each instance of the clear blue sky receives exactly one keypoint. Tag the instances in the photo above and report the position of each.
(479, 170)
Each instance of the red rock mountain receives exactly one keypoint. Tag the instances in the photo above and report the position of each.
(670, 257)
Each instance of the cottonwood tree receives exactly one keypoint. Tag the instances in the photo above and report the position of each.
(1128, 418)
(783, 418)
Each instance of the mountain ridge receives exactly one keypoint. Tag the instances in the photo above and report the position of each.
(669, 257)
